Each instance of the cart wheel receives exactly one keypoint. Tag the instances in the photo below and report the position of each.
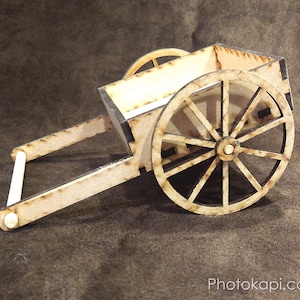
(237, 131)
(152, 58)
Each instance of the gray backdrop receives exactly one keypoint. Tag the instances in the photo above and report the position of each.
(131, 242)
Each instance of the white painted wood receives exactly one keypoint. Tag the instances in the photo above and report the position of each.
(16, 185)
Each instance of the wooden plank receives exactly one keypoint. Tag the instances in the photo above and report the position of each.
(64, 138)
(161, 82)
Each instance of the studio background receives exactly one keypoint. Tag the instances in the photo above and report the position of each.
(131, 242)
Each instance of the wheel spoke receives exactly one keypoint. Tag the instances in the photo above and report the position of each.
(225, 108)
(245, 114)
(261, 129)
(225, 183)
(168, 137)
(247, 173)
(202, 119)
(154, 61)
(262, 153)
(203, 180)
(190, 163)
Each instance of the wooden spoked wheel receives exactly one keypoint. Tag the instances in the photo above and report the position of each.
(222, 142)
(151, 59)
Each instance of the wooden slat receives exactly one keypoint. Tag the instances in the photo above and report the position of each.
(64, 138)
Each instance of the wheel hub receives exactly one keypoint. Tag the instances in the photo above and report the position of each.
(227, 148)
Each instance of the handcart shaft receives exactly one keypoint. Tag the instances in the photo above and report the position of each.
(64, 138)
(21, 213)
(70, 193)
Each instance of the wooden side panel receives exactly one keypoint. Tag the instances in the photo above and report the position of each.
(161, 82)
(142, 128)
(233, 58)
(272, 68)
(276, 72)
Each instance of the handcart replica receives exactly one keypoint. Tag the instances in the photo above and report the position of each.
(204, 122)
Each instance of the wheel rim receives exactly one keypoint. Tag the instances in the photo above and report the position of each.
(152, 58)
(224, 139)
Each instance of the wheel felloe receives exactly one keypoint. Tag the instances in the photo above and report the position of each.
(152, 59)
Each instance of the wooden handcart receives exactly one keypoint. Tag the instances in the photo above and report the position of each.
(204, 122)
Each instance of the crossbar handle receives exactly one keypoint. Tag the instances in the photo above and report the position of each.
(16, 185)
